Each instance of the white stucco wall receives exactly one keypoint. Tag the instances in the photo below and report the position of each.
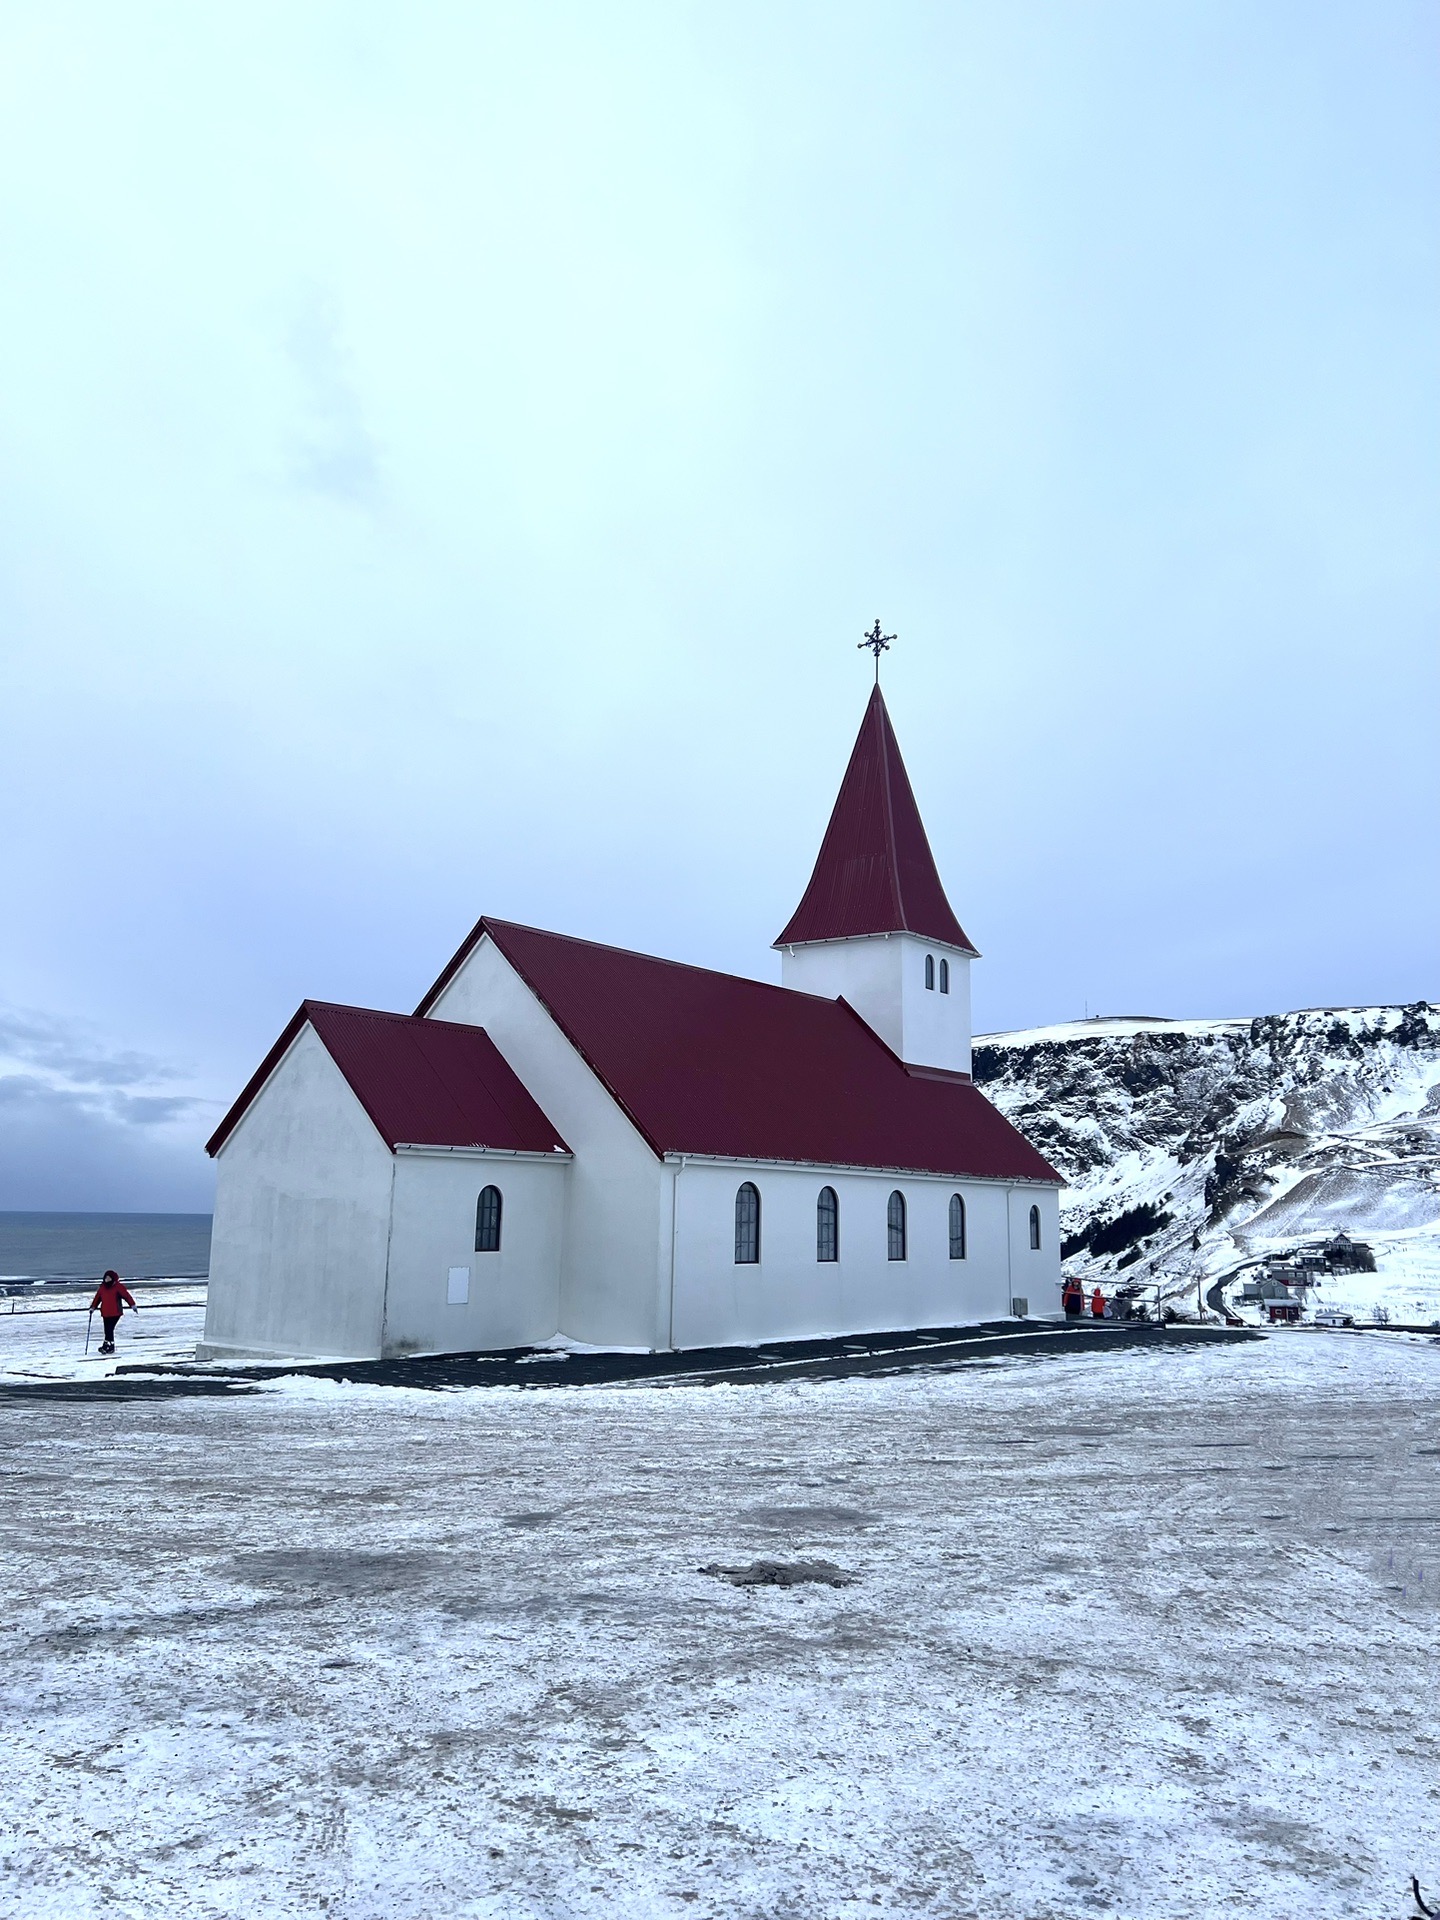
(614, 1286)
(514, 1294)
(883, 978)
(789, 1294)
(1036, 1276)
(937, 1025)
(307, 1259)
(302, 1209)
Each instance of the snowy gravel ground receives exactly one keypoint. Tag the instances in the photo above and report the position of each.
(1136, 1634)
(43, 1338)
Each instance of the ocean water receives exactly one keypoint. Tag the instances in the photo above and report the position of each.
(80, 1246)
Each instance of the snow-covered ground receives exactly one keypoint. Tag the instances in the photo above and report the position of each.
(1151, 1633)
(42, 1335)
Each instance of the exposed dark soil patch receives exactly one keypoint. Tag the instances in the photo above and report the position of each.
(812, 1517)
(783, 1573)
(337, 1570)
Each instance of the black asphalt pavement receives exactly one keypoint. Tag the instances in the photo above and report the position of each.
(928, 1349)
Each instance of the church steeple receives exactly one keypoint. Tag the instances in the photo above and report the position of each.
(875, 872)
(874, 925)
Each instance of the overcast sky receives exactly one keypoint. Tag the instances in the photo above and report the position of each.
(448, 454)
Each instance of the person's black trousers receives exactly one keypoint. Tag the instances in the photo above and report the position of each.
(110, 1321)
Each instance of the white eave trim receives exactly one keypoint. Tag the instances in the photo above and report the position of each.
(896, 933)
(559, 1157)
(843, 1166)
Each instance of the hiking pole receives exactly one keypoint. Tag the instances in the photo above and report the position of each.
(88, 1318)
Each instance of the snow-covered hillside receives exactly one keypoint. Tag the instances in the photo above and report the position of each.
(1194, 1145)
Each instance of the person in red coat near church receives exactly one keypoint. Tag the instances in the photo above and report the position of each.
(1072, 1298)
(112, 1296)
(1097, 1304)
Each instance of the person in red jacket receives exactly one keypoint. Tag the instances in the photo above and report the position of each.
(111, 1291)
(1097, 1304)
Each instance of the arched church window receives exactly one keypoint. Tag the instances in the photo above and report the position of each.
(487, 1221)
(895, 1226)
(747, 1225)
(1034, 1229)
(957, 1227)
(944, 976)
(827, 1225)
(930, 971)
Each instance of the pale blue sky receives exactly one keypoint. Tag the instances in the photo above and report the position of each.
(448, 454)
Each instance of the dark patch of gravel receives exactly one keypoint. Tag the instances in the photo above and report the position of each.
(783, 1573)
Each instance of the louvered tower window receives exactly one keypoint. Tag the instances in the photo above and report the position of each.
(1034, 1229)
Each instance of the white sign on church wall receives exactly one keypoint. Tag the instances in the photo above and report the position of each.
(457, 1291)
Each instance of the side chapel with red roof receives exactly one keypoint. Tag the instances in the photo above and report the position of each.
(571, 1141)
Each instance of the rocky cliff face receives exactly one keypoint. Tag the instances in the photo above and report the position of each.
(1193, 1145)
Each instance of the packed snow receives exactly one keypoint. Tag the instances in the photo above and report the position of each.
(42, 1335)
(1145, 1634)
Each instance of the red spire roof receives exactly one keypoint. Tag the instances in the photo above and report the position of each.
(875, 873)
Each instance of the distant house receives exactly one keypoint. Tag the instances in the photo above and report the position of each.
(1280, 1288)
(1283, 1310)
(1342, 1255)
(568, 1139)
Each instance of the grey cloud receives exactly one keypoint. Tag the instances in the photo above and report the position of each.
(61, 1148)
(70, 1048)
(27, 1092)
(154, 1109)
(23, 1089)
(83, 1124)
(336, 454)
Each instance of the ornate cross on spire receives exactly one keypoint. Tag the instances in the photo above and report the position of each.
(878, 643)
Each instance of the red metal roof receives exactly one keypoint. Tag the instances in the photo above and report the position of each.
(710, 1063)
(875, 872)
(424, 1083)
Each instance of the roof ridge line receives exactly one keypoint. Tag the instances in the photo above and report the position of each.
(389, 1013)
(574, 1040)
(655, 959)
(894, 872)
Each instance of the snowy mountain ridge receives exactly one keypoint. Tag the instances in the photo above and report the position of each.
(1194, 1145)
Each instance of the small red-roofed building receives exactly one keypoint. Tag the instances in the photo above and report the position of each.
(573, 1141)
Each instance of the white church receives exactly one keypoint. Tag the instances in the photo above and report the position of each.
(567, 1139)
